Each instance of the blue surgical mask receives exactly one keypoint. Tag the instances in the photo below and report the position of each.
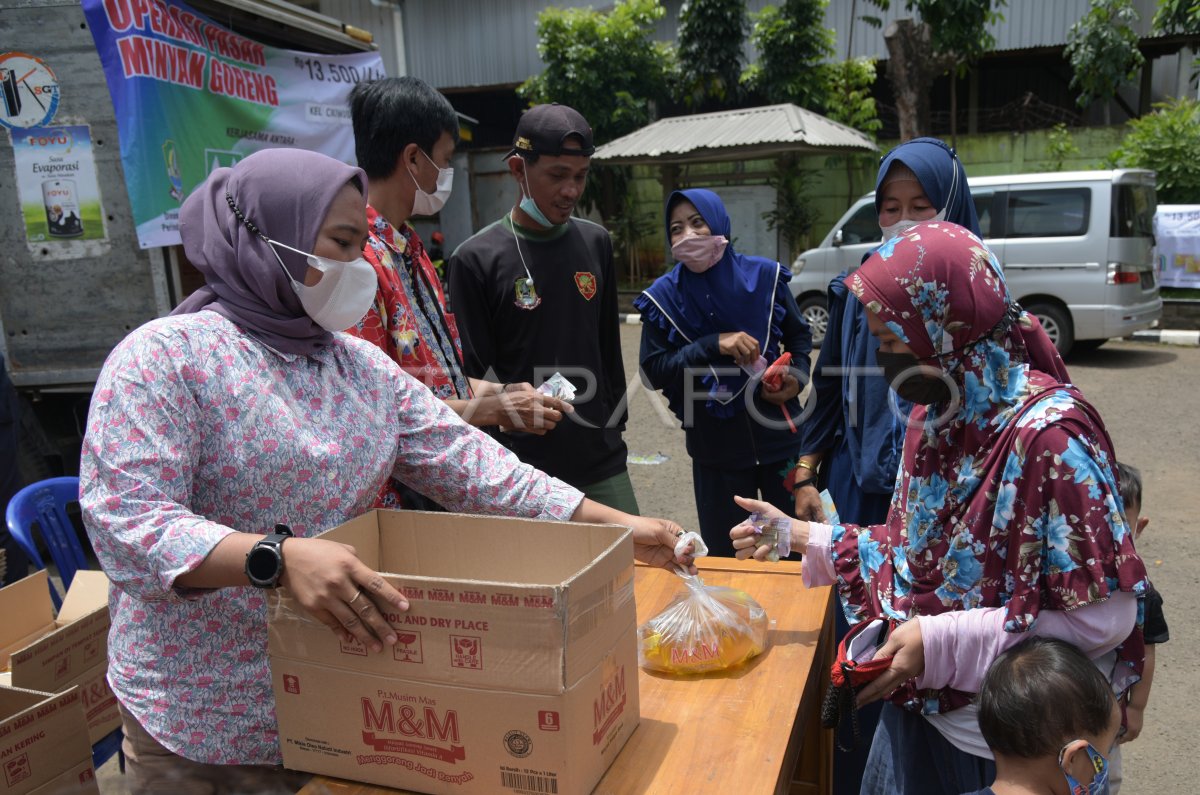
(530, 208)
(1099, 779)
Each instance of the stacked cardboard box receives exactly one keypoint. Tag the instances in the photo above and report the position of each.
(515, 670)
(44, 747)
(50, 654)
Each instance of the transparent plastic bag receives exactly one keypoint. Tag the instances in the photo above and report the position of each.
(705, 628)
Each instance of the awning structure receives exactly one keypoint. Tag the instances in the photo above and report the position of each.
(743, 134)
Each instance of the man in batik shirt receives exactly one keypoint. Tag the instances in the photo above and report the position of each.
(405, 133)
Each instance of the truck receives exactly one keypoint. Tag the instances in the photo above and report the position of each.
(67, 300)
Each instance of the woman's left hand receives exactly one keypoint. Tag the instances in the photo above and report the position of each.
(654, 543)
(908, 650)
(788, 390)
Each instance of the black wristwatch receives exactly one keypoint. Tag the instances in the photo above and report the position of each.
(264, 561)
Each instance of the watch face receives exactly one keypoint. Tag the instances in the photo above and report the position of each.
(263, 565)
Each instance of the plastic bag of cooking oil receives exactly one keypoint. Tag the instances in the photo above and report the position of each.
(705, 628)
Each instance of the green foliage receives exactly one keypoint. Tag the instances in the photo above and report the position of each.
(849, 91)
(1060, 145)
(1167, 141)
(605, 65)
(792, 45)
(711, 33)
(795, 213)
(958, 28)
(1177, 17)
(1102, 50)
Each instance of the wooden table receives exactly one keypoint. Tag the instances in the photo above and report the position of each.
(755, 729)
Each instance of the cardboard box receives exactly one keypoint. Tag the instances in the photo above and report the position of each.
(44, 746)
(49, 654)
(516, 669)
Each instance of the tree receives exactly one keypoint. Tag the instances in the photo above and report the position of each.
(951, 36)
(1059, 146)
(711, 37)
(792, 44)
(607, 67)
(849, 93)
(1168, 142)
(1177, 17)
(1102, 50)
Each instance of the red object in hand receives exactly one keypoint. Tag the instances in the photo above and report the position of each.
(773, 378)
(772, 381)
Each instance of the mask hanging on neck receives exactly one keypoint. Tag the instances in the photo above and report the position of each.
(430, 203)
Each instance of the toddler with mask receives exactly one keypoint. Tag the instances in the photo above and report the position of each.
(1049, 716)
(710, 327)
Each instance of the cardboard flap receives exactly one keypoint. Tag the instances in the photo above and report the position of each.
(28, 614)
(89, 590)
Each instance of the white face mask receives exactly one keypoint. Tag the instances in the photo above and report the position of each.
(429, 203)
(903, 225)
(343, 295)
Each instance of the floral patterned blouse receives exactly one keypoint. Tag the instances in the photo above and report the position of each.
(196, 431)
(1006, 498)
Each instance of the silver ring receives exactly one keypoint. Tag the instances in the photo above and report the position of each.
(357, 594)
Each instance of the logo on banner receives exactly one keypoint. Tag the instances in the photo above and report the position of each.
(220, 158)
(28, 91)
(586, 283)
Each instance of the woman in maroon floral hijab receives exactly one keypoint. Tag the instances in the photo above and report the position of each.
(1005, 521)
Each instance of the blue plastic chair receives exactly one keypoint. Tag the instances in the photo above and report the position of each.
(45, 503)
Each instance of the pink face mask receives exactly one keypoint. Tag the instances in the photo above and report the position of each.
(698, 253)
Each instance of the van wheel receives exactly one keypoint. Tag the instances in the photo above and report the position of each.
(1057, 323)
(815, 310)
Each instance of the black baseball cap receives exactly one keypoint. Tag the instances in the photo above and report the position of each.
(544, 130)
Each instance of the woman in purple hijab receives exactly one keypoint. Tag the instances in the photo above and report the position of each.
(223, 438)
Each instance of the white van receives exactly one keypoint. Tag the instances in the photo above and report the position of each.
(1076, 247)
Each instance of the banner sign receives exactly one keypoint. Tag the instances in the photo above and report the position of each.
(1177, 232)
(191, 96)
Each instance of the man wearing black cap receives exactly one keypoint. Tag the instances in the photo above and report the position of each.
(535, 293)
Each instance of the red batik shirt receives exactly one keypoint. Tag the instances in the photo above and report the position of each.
(409, 321)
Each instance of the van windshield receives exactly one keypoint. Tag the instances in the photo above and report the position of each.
(1133, 211)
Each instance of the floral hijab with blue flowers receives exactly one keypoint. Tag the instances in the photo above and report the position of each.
(1007, 497)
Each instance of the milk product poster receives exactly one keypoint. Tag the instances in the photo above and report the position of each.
(56, 182)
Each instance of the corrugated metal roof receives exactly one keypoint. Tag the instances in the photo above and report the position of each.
(724, 135)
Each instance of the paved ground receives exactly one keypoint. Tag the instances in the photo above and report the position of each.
(1147, 394)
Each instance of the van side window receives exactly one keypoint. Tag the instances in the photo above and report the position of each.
(983, 209)
(1057, 212)
(863, 226)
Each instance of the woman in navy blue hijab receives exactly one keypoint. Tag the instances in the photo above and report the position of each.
(708, 325)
